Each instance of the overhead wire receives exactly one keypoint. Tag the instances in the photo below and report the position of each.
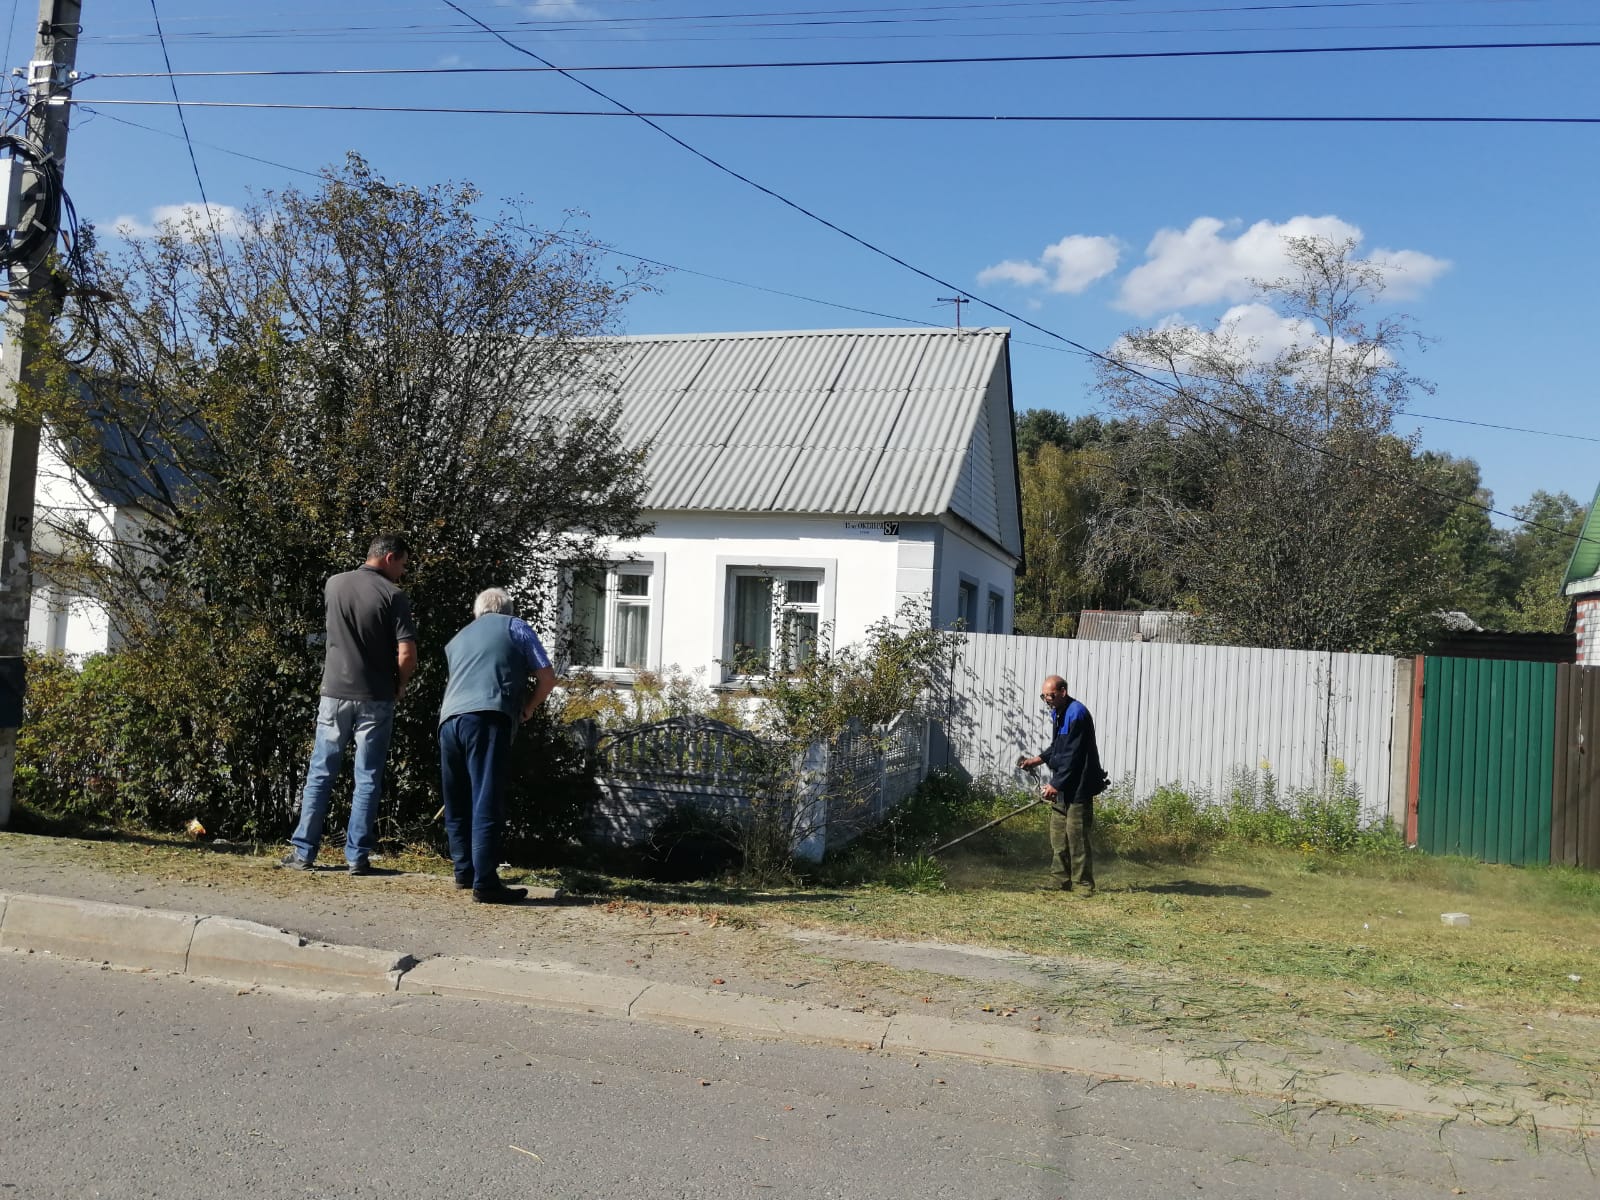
(1075, 346)
(900, 118)
(1241, 418)
(218, 147)
(1574, 437)
(678, 268)
(1084, 9)
(184, 124)
(940, 60)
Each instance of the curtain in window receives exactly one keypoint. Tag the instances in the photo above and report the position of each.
(588, 621)
(752, 623)
(799, 637)
(633, 636)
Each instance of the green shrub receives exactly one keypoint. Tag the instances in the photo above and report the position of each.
(920, 874)
(1174, 823)
(95, 748)
(1169, 823)
(944, 804)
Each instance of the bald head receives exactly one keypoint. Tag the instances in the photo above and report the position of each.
(1053, 691)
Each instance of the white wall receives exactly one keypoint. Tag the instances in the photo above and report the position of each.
(860, 561)
(965, 555)
(872, 567)
(58, 620)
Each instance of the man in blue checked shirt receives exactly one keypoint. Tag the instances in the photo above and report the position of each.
(486, 698)
(1076, 778)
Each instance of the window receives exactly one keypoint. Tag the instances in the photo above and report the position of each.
(776, 619)
(611, 617)
(967, 605)
(994, 619)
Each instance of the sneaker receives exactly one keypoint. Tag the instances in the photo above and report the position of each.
(499, 895)
(363, 867)
(293, 862)
(463, 883)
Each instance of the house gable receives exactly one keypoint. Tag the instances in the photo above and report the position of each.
(1583, 569)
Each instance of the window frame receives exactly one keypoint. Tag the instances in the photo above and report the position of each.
(651, 566)
(824, 571)
(966, 616)
(994, 617)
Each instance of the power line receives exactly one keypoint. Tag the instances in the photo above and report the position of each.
(990, 304)
(947, 60)
(184, 123)
(988, 11)
(1575, 437)
(677, 268)
(913, 118)
(220, 149)
(1079, 347)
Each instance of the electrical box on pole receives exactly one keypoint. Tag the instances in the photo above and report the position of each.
(33, 234)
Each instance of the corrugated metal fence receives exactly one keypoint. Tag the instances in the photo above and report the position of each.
(1179, 714)
(1502, 767)
(1575, 801)
(1484, 776)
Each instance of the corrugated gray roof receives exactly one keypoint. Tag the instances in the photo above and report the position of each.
(858, 422)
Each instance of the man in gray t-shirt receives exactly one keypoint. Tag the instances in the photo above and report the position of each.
(370, 655)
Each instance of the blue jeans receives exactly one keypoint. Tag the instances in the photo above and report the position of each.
(474, 757)
(369, 724)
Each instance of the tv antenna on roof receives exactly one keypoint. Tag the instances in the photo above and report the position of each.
(958, 301)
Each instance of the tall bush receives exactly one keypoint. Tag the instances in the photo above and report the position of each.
(262, 399)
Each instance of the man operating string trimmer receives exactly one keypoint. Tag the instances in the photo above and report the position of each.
(1076, 778)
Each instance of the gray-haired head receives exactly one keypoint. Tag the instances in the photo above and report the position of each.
(491, 600)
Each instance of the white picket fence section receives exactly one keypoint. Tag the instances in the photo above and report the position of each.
(1179, 714)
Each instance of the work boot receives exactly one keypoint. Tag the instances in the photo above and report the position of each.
(499, 895)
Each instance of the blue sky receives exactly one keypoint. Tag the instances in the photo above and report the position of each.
(1494, 225)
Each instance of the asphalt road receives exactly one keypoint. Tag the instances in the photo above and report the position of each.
(124, 1085)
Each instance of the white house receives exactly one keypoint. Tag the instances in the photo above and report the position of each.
(58, 619)
(799, 482)
(802, 482)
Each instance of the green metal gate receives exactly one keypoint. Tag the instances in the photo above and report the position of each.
(1488, 733)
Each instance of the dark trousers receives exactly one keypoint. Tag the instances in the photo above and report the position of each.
(474, 757)
(1071, 863)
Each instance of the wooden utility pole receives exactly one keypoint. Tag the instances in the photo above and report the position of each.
(50, 78)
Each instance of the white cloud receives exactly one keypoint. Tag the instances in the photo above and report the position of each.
(1078, 261)
(557, 10)
(1245, 333)
(1068, 266)
(188, 220)
(1408, 272)
(1202, 265)
(1023, 274)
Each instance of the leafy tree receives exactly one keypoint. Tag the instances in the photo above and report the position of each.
(1470, 553)
(1538, 554)
(1039, 427)
(1271, 487)
(366, 356)
(1064, 466)
(1059, 497)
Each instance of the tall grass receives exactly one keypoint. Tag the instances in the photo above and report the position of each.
(1175, 823)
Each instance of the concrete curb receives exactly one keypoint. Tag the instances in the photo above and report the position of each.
(547, 985)
(246, 952)
(110, 933)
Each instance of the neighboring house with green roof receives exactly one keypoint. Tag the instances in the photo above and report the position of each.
(1583, 585)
